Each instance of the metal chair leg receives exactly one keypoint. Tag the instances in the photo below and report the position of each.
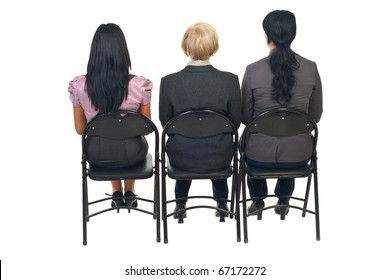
(307, 195)
(317, 219)
(244, 206)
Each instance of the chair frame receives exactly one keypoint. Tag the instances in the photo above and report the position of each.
(168, 170)
(277, 122)
(142, 126)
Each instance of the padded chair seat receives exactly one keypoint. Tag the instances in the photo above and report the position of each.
(176, 173)
(258, 173)
(141, 171)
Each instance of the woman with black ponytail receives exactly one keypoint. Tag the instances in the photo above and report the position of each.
(286, 79)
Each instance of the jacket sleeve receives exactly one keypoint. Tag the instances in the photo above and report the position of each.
(165, 108)
(315, 108)
(247, 98)
(234, 112)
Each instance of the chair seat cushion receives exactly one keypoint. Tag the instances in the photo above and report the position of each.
(142, 170)
(262, 173)
(180, 174)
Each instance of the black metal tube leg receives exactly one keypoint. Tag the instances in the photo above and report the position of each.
(244, 214)
(307, 195)
(164, 214)
(317, 219)
(237, 211)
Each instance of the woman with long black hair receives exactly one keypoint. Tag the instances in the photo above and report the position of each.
(108, 87)
(283, 78)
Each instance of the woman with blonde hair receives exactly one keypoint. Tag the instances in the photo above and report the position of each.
(200, 86)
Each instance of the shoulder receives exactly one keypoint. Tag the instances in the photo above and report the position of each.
(264, 62)
(141, 82)
(228, 78)
(305, 61)
(139, 90)
(77, 84)
(227, 74)
(173, 76)
(258, 70)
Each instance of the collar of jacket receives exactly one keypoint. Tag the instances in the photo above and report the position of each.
(204, 68)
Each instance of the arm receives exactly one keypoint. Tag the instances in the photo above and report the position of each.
(315, 108)
(247, 99)
(79, 119)
(145, 110)
(165, 109)
(234, 112)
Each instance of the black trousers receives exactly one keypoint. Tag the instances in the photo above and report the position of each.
(284, 187)
(219, 188)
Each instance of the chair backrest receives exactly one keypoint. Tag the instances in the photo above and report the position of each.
(197, 126)
(199, 123)
(282, 122)
(114, 137)
(119, 126)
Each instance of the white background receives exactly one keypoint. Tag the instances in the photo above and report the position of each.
(44, 44)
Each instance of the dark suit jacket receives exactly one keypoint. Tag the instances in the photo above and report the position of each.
(256, 98)
(200, 87)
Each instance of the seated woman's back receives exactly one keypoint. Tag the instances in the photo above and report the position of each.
(200, 86)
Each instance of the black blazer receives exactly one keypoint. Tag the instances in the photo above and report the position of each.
(200, 87)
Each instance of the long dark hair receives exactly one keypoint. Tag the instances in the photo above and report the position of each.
(108, 68)
(280, 28)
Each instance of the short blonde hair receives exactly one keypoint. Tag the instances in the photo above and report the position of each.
(200, 41)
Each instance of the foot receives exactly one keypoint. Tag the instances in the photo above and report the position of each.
(256, 205)
(179, 206)
(117, 199)
(278, 209)
(130, 199)
(221, 205)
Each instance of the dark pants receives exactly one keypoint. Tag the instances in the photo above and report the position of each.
(219, 187)
(284, 187)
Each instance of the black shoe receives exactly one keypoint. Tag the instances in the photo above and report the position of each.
(130, 199)
(179, 206)
(221, 205)
(256, 205)
(279, 209)
(117, 199)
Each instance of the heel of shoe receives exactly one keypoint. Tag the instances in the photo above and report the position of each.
(117, 200)
(116, 204)
(130, 200)
(283, 210)
(181, 218)
(255, 207)
(131, 203)
(221, 214)
(181, 213)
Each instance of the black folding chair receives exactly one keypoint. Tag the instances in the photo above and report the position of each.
(281, 122)
(198, 124)
(121, 126)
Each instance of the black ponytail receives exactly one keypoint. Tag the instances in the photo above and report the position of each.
(280, 28)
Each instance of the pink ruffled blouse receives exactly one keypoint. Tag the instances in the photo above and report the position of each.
(139, 93)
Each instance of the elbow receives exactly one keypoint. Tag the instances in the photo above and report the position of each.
(79, 127)
(79, 130)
